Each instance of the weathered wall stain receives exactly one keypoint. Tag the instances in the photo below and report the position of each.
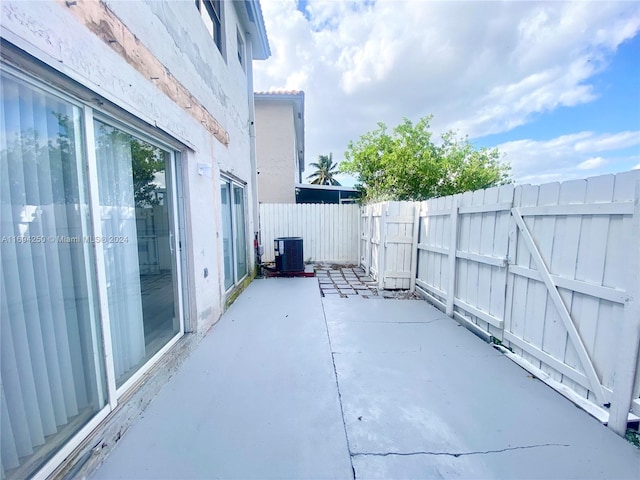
(97, 17)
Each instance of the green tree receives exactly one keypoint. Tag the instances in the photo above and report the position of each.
(146, 161)
(405, 164)
(325, 171)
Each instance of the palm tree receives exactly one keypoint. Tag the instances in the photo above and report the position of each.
(326, 169)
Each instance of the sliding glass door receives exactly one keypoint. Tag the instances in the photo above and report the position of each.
(53, 377)
(233, 232)
(227, 234)
(90, 273)
(139, 259)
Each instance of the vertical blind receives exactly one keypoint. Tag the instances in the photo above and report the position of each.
(52, 362)
(52, 373)
(118, 220)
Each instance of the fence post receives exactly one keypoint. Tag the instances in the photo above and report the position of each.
(630, 333)
(369, 234)
(453, 247)
(360, 234)
(512, 257)
(383, 244)
(414, 246)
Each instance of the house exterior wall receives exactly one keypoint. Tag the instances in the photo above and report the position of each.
(201, 104)
(178, 39)
(275, 150)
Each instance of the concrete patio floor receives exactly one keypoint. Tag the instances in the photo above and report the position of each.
(292, 385)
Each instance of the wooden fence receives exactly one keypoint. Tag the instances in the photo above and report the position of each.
(329, 232)
(549, 272)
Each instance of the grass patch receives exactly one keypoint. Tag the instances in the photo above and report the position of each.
(633, 437)
(496, 341)
(235, 293)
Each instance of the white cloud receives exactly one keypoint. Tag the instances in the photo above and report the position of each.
(591, 163)
(479, 67)
(568, 156)
(600, 143)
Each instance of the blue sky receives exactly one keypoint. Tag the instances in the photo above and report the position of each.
(554, 85)
(616, 109)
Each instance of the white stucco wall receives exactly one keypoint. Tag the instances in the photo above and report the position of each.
(177, 37)
(275, 151)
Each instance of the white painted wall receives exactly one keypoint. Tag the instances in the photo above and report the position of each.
(276, 150)
(178, 38)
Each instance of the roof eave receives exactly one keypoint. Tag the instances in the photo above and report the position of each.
(257, 29)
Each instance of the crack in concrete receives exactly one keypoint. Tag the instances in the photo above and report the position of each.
(335, 374)
(458, 454)
(397, 323)
(372, 352)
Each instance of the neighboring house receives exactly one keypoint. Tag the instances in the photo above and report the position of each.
(279, 144)
(326, 194)
(128, 207)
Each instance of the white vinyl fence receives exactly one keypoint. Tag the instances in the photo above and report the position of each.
(550, 272)
(329, 232)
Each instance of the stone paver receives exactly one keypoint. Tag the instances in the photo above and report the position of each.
(347, 281)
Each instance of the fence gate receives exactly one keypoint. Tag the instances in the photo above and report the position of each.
(550, 271)
(566, 288)
(387, 241)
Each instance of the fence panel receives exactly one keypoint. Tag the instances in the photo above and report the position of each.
(330, 232)
(568, 281)
(480, 260)
(433, 247)
(552, 271)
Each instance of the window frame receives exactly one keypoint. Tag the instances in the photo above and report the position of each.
(241, 49)
(174, 235)
(214, 10)
(225, 179)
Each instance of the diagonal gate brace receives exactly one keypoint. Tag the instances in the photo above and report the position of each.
(574, 335)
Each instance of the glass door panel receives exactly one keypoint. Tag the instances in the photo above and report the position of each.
(53, 378)
(241, 241)
(137, 240)
(227, 245)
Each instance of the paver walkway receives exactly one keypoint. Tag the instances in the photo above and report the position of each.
(293, 385)
(345, 281)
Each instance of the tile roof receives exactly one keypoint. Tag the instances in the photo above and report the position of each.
(280, 92)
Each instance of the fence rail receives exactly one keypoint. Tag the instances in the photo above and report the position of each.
(329, 232)
(552, 272)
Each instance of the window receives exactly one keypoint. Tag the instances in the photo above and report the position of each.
(241, 51)
(211, 14)
(233, 233)
(89, 289)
